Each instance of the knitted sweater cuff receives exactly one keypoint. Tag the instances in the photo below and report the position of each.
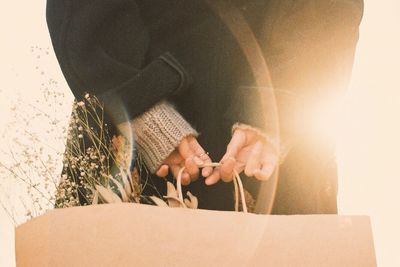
(158, 132)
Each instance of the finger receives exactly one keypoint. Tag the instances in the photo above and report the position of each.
(269, 164)
(226, 169)
(173, 159)
(192, 168)
(264, 173)
(206, 171)
(237, 142)
(214, 177)
(195, 146)
(239, 166)
(187, 152)
(254, 160)
(162, 171)
(189, 147)
(200, 155)
(175, 170)
(185, 179)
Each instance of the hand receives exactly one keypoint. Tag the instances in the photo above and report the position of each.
(188, 154)
(246, 151)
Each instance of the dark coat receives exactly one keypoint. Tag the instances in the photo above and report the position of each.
(135, 53)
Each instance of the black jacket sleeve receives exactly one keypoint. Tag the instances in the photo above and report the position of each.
(103, 47)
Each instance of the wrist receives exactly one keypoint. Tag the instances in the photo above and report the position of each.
(158, 132)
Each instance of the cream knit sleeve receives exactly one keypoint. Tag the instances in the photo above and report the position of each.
(158, 132)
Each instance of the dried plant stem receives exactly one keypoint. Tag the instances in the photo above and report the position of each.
(29, 183)
(8, 213)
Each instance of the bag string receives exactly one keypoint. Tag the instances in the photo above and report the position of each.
(237, 182)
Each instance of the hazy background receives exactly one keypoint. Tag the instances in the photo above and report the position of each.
(369, 130)
(368, 124)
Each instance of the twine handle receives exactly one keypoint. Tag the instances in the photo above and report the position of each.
(238, 185)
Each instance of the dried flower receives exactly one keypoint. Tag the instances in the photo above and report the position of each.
(174, 201)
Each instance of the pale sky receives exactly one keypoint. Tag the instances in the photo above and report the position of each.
(368, 132)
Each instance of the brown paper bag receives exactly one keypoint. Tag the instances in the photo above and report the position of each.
(140, 235)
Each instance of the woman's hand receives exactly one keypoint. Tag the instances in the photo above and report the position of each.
(246, 151)
(188, 154)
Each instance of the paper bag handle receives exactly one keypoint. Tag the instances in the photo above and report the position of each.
(238, 185)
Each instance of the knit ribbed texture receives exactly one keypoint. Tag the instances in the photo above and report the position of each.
(158, 132)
